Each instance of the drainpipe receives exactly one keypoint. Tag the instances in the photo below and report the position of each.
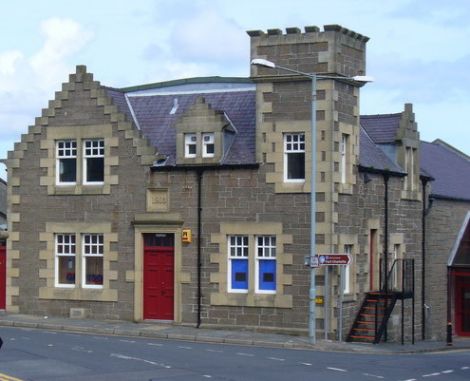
(199, 174)
(386, 178)
(423, 263)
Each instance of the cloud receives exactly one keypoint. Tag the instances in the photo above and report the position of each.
(8, 61)
(27, 82)
(63, 38)
(209, 36)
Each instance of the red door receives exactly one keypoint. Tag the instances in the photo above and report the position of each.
(3, 276)
(462, 306)
(158, 276)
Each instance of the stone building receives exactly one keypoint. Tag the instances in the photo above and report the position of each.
(189, 201)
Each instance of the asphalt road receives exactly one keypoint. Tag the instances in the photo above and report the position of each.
(30, 354)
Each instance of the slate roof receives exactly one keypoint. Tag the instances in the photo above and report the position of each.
(372, 157)
(152, 114)
(449, 168)
(382, 128)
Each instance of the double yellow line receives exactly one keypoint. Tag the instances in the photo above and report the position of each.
(5, 377)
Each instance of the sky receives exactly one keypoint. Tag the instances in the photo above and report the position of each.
(419, 51)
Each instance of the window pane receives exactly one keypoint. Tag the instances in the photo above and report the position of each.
(94, 271)
(239, 274)
(267, 275)
(95, 169)
(296, 166)
(67, 170)
(66, 269)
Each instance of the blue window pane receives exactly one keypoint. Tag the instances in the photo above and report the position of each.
(239, 274)
(267, 275)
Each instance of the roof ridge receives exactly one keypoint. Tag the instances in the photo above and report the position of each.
(185, 81)
(380, 115)
(445, 145)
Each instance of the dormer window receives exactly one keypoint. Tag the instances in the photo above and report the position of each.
(190, 141)
(208, 147)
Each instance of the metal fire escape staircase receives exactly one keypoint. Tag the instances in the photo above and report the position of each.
(370, 325)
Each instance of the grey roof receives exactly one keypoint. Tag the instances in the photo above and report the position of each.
(151, 112)
(149, 107)
(449, 168)
(372, 157)
(382, 128)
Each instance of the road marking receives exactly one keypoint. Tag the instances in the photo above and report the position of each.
(155, 345)
(447, 371)
(183, 347)
(276, 359)
(306, 363)
(336, 369)
(50, 345)
(410, 379)
(6, 377)
(81, 349)
(464, 368)
(431, 374)
(127, 341)
(214, 350)
(245, 354)
(372, 375)
(207, 376)
(125, 357)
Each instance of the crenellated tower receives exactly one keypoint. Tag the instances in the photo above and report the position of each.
(284, 123)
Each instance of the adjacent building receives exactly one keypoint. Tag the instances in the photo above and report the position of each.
(189, 201)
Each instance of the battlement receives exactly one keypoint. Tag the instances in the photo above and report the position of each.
(333, 50)
(309, 30)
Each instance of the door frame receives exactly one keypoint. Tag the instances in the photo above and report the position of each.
(461, 280)
(158, 251)
(137, 276)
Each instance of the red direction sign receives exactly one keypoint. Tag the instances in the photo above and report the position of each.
(334, 259)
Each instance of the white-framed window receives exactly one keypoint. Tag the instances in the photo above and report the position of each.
(92, 252)
(294, 157)
(208, 146)
(347, 280)
(65, 263)
(93, 161)
(190, 145)
(265, 272)
(238, 274)
(343, 164)
(66, 162)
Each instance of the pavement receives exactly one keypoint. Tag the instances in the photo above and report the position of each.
(203, 334)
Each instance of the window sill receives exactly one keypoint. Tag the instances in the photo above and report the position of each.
(87, 189)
